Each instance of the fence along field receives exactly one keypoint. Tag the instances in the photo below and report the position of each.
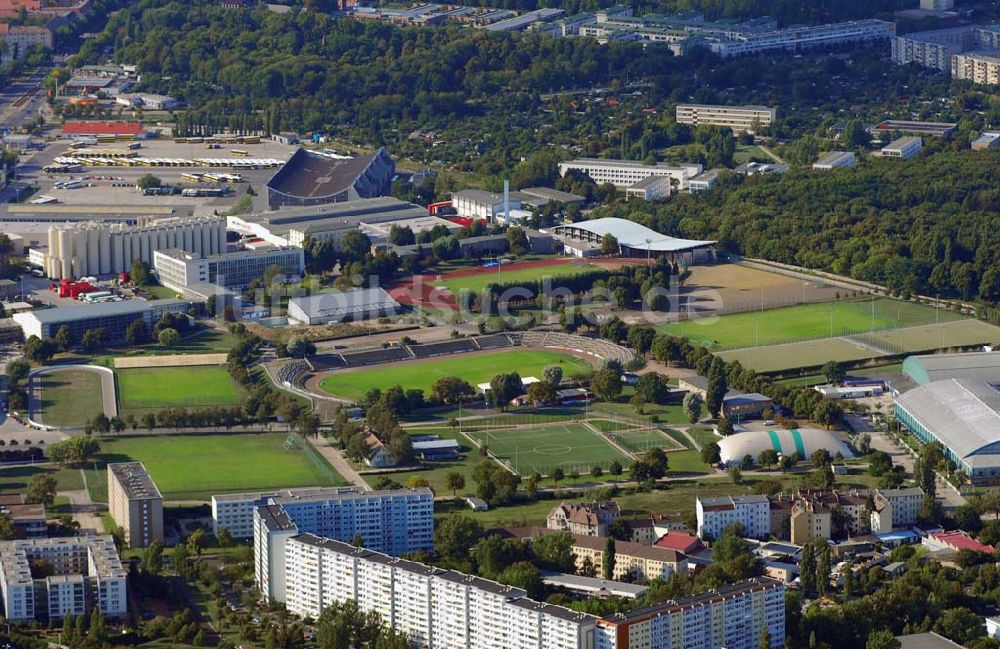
(573, 439)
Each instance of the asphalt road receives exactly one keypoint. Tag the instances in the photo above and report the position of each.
(21, 100)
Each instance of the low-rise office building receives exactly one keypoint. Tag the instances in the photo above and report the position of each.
(835, 159)
(393, 521)
(625, 173)
(88, 574)
(650, 189)
(135, 503)
(738, 118)
(704, 181)
(903, 148)
(114, 317)
(178, 269)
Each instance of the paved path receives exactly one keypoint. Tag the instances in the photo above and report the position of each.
(337, 461)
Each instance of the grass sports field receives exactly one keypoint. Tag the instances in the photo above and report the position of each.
(806, 322)
(479, 281)
(477, 368)
(70, 397)
(543, 448)
(193, 467)
(143, 389)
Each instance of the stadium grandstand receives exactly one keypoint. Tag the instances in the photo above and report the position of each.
(584, 239)
(460, 346)
(291, 374)
(804, 441)
(582, 344)
(310, 178)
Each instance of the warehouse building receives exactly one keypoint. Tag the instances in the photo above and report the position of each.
(135, 503)
(481, 204)
(115, 317)
(963, 414)
(88, 574)
(738, 118)
(634, 240)
(625, 173)
(359, 304)
(978, 366)
(310, 178)
(291, 225)
(178, 269)
(100, 249)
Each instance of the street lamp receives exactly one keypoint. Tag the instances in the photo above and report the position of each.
(649, 243)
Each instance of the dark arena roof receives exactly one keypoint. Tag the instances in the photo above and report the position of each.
(310, 178)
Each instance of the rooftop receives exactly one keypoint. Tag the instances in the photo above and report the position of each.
(311, 175)
(135, 480)
(833, 157)
(98, 310)
(88, 127)
(982, 366)
(592, 585)
(345, 303)
(631, 234)
(714, 595)
(926, 641)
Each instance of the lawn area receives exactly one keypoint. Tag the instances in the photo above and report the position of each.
(704, 436)
(813, 353)
(70, 397)
(688, 461)
(436, 473)
(474, 368)
(671, 413)
(805, 322)
(644, 440)
(193, 467)
(543, 448)
(15, 478)
(150, 388)
(476, 283)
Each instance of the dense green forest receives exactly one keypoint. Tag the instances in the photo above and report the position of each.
(927, 225)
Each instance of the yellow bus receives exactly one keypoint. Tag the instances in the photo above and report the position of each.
(195, 178)
(239, 152)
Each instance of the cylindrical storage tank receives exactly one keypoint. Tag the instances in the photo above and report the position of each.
(93, 251)
(161, 239)
(206, 238)
(65, 249)
(53, 242)
(213, 239)
(66, 267)
(117, 265)
(188, 238)
(220, 228)
(104, 243)
(79, 253)
(135, 250)
(144, 252)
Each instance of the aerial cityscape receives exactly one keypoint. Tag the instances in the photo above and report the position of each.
(366, 324)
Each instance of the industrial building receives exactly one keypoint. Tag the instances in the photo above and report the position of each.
(114, 317)
(903, 148)
(310, 178)
(395, 521)
(135, 503)
(634, 240)
(963, 414)
(234, 512)
(980, 66)
(625, 173)
(927, 368)
(178, 269)
(100, 249)
(291, 226)
(88, 574)
(804, 441)
(481, 204)
(835, 159)
(738, 118)
(359, 304)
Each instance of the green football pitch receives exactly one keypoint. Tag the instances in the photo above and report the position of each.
(150, 388)
(193, 467)
(474, 368)
(476, 283)
(543, 448)
(806, 322)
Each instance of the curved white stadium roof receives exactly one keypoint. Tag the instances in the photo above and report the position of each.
(804, 441)
(632, 234)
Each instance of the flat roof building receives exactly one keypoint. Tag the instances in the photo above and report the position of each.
(359, 304)
(634, 239)
(135, 503)
(936, 48)
(115, 317)
(704, 181)
(738, 118)
(835, 159)
(903, 148)
(88, 574)
(987, 140)
(625, 173)
(927, 368)
(234, 512)
(481, 204)
(913, 127)
(310, 178)
(538, 197)
(178, 269)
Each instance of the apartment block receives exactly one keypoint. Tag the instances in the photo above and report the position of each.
(731, 617)
(436, 608)
(135, 503)
(179, 269)
(633, 561)
(234, 512)
(716, 514)
(903, 148)
(585, 519)
(895, 508)
(737, 118)
(937, 48)
(981, 67)
(393, 521)
(800, 38)
(88, 574)
(625, 173)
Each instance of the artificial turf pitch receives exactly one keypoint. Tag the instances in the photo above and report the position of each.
(150, 388)
(543, 448)
(474, 368)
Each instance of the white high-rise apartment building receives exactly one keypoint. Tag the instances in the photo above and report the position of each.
(393, 521)
(716, 514)
(235, 511)
(982, 67)
(738, 118)
(436, 608)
